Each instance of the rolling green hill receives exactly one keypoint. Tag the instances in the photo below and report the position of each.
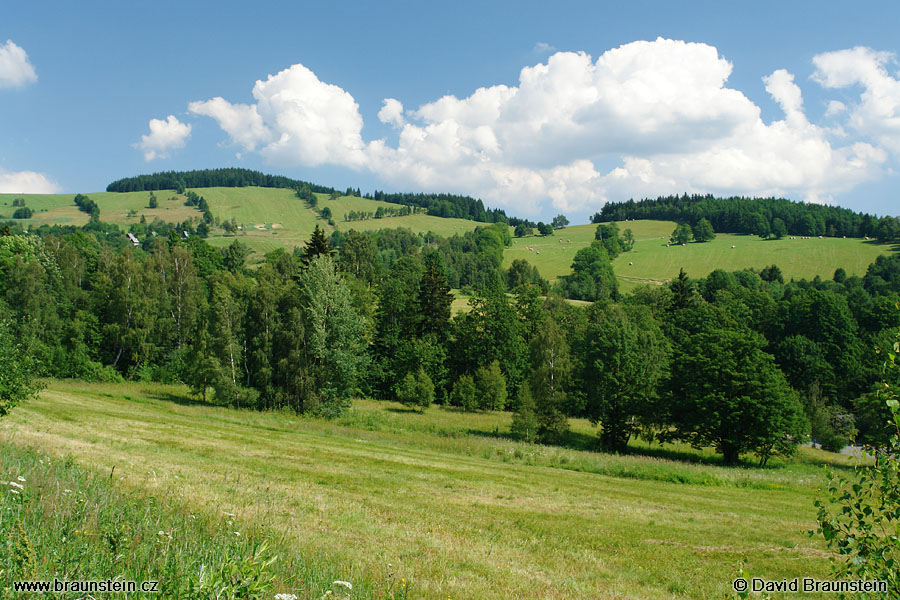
(651, 261)
(275, 218)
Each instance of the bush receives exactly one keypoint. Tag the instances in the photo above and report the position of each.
(23, 213)
(416, 390)
(463, 394)
(490, 387)
(525, 422)
(16, 373)
(860, 518)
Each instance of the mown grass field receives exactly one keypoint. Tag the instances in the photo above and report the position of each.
(652, 262)
(443, 499)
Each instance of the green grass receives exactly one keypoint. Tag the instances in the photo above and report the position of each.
(60, 520)
(651, 262)
(444, 499)
(272, 218)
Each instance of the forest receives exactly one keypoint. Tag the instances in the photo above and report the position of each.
(755, 216)
(226, 177)
(743, 362)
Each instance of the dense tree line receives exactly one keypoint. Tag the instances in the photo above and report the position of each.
(379, 213)
(743, 362)
(228, 177)
(87, 205)
(447, 205)
(756, 216)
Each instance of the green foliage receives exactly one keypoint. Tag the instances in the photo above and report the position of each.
(703, 231)
(551, 370)
(559, 222)
(779, 229)
(23, 213)
(490, 387)
(522, 230)
(728, 393)
(625, 357)
(16, 372)
(860, 515)
(464, 393)
(745, 215)
(335, 342)
(316, 246)
(592, 277)
(416, 390)
(525, 420)
(682, 234)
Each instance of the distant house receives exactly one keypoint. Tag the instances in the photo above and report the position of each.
(185, 235)
(134, 241)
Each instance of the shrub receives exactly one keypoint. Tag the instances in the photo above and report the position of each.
(525, 422)
(490, 387)
(860, 519)
(416, 390)
(463, 394)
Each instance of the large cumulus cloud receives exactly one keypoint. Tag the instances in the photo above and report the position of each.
(649, 117)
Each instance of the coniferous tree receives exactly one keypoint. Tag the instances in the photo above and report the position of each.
(316, 246)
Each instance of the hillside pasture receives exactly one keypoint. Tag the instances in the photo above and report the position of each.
(443, 499)
(60, 209)
(652, 262)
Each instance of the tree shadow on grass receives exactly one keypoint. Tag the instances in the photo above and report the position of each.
(403, 410)
(182, 399)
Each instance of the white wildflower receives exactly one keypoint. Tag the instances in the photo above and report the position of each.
(17, 485)
(285, 596)
(67, 491)
(16, 492)
(20, 478)
(237, 533)
(345, 584)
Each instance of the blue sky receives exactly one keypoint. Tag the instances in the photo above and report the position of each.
(535, 108)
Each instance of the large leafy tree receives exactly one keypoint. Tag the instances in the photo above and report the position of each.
(491, 331)
(592, 277)
(728, 393)
(16, 369)
(335, 342)
(625, 357)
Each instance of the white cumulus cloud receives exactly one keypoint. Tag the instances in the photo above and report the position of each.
(646, 118)
(297, 120)
(164, 135)
(15, 69)
(877, 114)
(391, 112)
(27, 182)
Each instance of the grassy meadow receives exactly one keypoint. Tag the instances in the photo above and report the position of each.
(272, 217)
(275, 218)
(442, 500)
(652, 262)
